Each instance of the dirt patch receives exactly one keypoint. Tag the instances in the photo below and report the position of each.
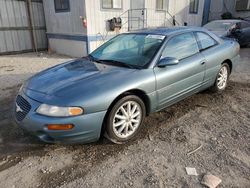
(217, 123)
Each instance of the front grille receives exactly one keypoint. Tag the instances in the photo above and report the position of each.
(22, 108)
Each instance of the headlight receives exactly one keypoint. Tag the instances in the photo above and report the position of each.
(56, 111)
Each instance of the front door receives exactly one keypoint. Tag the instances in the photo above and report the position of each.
(176, 82)
(137, 15)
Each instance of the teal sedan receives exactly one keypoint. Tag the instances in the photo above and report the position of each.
(132, 75)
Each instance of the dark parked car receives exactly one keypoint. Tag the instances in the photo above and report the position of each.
(238, 29)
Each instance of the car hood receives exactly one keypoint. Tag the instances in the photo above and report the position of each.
(78, 75)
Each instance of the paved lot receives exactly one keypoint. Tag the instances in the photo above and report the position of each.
(219, 123)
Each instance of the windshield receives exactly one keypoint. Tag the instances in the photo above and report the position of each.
(134, 50)
(218, 26)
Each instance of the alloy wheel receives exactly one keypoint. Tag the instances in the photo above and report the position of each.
(127, 119)
(222, 78)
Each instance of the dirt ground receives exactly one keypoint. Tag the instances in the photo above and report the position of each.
(219, 124)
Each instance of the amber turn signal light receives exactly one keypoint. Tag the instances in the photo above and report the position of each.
(60, 126)
(74, 111)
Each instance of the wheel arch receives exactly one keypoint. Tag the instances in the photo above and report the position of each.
(139, 93)
(230, 64)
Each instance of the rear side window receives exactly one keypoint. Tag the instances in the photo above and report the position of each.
(181, 46)
(205, 40)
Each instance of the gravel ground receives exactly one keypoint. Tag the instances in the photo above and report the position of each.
(218, 124)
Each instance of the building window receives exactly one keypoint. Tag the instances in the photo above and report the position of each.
(193, 6)
(242, 5)
(161, 4)
(111, 4)
(61, 5)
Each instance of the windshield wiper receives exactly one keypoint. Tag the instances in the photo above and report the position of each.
(115, 62)
(92, 58)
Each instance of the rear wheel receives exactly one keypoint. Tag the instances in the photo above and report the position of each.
(222, 78)
(125, 119)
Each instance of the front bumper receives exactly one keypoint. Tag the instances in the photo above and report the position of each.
(87, 127)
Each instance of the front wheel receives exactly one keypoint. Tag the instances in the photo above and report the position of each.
(125, 119)
(222, 78)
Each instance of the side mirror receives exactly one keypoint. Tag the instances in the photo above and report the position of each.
(235, 29)
(167, 61)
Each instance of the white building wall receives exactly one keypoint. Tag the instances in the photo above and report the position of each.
(71, 48)
(97, 22)
(97, 18)
(68, 25)
(180, 9)
(65, 22)
(157, 18)
(65, 30)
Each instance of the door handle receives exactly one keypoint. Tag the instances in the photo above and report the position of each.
(203, 62)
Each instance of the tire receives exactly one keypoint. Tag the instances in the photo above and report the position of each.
(122, 127)
(222, 77)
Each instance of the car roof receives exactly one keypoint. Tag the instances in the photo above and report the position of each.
(167, 31)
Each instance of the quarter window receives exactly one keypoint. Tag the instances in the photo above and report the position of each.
(112, 4)
(193, 6)
(61, 5)
(181, 46)
(161, 4)
(205, 40)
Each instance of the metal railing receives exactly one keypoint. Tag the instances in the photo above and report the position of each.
(134, 19)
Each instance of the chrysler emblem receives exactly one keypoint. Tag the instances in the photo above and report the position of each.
(18, 108)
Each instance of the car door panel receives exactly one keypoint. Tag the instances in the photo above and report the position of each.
(211, 51)
(246, 34)
(178, 81)
(173, 82)
(243, 32)
(212, 66)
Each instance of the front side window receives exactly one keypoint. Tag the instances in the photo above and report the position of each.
(62, 5)
(205, 40)
(111, 4)
(131, 49)
(161, 4)
(181, 46)
(193, 6)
